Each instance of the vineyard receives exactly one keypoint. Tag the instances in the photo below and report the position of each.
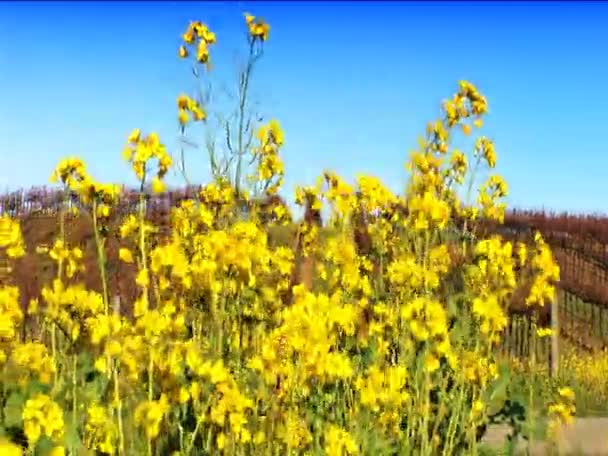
(580, 246)
(579, 243)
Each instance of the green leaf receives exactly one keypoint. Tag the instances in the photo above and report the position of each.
(72, 436)
(44, 446)
(498, 392)
(35, 387)
(13, 410)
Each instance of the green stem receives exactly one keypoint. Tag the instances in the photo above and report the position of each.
(59, 276)
(74, 397)
(142, 233)
(243, 87)
(194, 435)
(121, 435)
(101, 259)
(150, 391)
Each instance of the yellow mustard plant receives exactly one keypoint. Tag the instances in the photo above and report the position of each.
(374, 331)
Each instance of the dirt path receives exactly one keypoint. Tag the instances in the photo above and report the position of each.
(585, 436)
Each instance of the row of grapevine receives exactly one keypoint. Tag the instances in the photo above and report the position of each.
(584, 274)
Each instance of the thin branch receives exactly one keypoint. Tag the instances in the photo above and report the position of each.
(228, 142)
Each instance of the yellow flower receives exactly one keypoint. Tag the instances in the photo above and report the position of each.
(150, 414)
(207, 35)
(221, 441)
(184, 102)
(57, 451)
(259, 438)
(125, 255)
(258, 29)
(567, 393)
(478, 406)
(188, 37)
(198, 113)
(158, 186)
(8, 448)
(183, 52)
(134, 136)
(202, 52)
(184, 395)
(143, 278)
(182, 117)
(431, 363)
(101, 364)
(544, 332)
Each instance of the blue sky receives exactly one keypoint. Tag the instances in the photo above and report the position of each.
(352, 84)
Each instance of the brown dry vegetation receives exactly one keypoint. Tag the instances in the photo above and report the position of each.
(578, 243)
(587, 234)
(592, 225)
(38, 213)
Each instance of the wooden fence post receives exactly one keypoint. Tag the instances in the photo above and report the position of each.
(116, 304)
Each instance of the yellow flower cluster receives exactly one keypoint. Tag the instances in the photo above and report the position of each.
(484, 147)
(32, 358)
(546, 274)
(100, 429)
(73, 174)
(270, 164)
(490, 193)
(10, 314)
(149, 415)
(42, 417)
(187, 106)
(11, 238)
(468, 102)
(197, 35)
(561, 410)
(428, 212)
(383, 388)
(308, 332)
(258, 29)
(62, 254)
(139, 151)
(100, 197)
(339, 195)
(70, 306)
(339, 442)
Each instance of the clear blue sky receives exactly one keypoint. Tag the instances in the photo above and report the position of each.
(353, 85)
